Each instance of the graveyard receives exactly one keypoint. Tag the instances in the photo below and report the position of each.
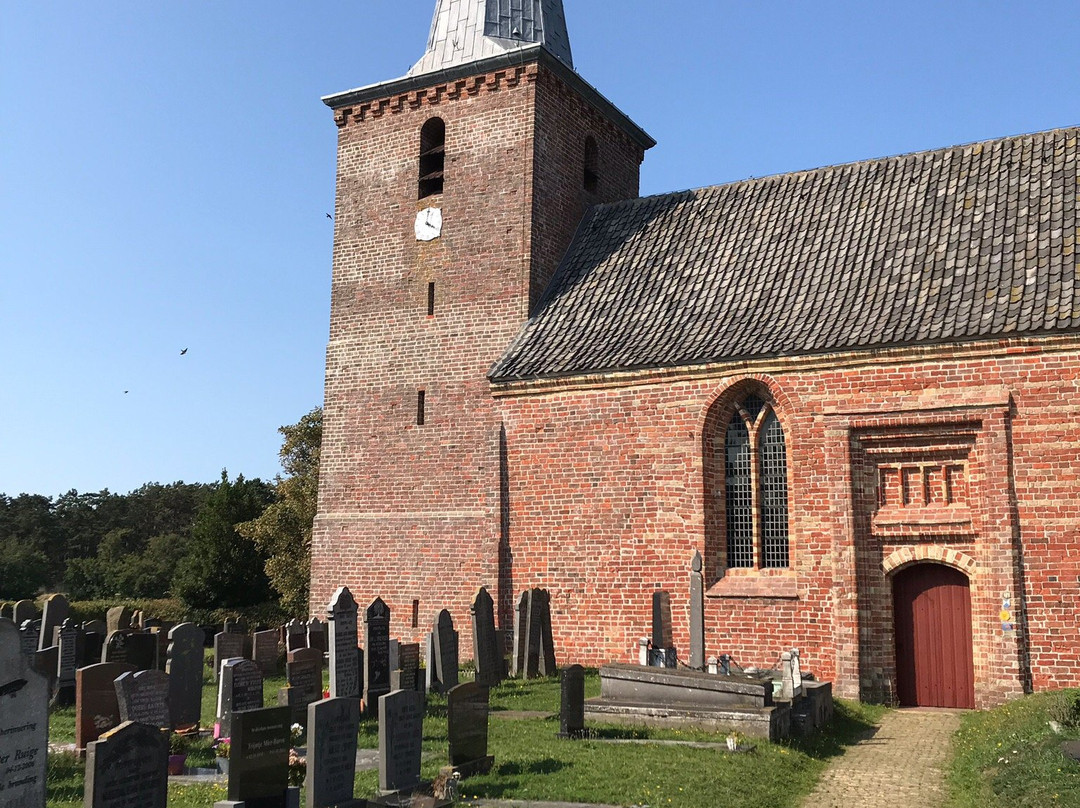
(336, 712)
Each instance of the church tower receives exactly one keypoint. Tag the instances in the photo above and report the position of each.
(459, 188)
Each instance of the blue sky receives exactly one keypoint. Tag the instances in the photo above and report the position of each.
(166, 169)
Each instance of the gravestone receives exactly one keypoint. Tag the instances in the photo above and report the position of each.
(303, 672)
(161, 646)
(344, 662)
(47, 663)
(227, 645)
(331, 752)
(546, 663)
(431, 676)
(68, 656)
(22, 611)
(316, 635)
(662, 654)
(128, 767)
(24, 724)
(53, 614)
(185, 668)
(697, 614)
(446, 651)
(240, 688)
(376, 654)
(96, 708)
(259, 756)
(143, 696)
(408, 666)
(93, 642)
(295, 635)
(486, 651)
(140, 650)
(533, 633)
(118, 618)
(467, 728)
(115, 648)
(572, 703)
(7, 611)
(521, 635)
(28, 636)
(265, 651)
(96, 626)
(401, 732)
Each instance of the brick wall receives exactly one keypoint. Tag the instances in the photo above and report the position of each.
(609, 498)
(409, 512)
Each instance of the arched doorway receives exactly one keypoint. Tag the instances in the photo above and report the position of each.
(932, 624)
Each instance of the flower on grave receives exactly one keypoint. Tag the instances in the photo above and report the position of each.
(222, 748)
(297, 768)
(296, 731)
(103, 722)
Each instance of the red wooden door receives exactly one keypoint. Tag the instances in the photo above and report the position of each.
(932, 622)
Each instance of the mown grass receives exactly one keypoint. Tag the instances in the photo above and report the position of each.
(1010, 756)
(532, 763)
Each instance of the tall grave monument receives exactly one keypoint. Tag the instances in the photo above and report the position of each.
(376, 654)
(344, 660)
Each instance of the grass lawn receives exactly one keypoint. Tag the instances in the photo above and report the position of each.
(532, 763)
(1009, 756)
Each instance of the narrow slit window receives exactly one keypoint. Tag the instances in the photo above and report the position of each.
(420, 408)
(432, 157)
(415, 613)
(591, 178)
(431, 298)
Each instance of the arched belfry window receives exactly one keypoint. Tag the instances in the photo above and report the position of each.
(432, 157)
(755, 486)
(591, 180)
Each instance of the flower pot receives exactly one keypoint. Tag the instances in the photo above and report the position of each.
(176, 764)
(223, 765)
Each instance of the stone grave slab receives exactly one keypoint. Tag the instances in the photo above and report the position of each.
(128, 767)
(118, 618)
(28, 636)
(661, 619)
(22, 611)
(486, 651)
(264, 646)
(572, 703)
(546, 662)
(316, 634)
(259, 759)
(521, 634)
(467, 728)
(184, 664)
(344, 662)
(24, 724)
(143, 697)
(409, 665)
(303, 673)
(240, 688)
(53, 614)
(697, 614)
(431, 676)
(227, 645)
(331, 751)
(47, 662)
(96, 708)
(401, 732)
(446, 651)
(70, 640)
(295, 635)
(533, 633)
(376, 654)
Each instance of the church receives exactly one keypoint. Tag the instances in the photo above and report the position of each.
(854, 390)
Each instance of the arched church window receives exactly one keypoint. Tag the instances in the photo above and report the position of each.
(755, 487)
(432, 157)
(591, 179)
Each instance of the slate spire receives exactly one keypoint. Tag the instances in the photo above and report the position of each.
(464, 31)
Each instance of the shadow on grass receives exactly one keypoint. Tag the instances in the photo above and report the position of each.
(64, 779)
(546, 765)
(852, 722)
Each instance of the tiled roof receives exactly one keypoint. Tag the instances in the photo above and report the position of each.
(970, 242)
(464, 31)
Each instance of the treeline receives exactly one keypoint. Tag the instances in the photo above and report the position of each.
(231, 543)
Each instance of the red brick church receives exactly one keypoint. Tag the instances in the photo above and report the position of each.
(854, 389)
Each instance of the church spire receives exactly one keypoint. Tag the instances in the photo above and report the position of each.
(464, 31)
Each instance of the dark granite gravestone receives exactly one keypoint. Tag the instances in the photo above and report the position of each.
(546, 663)
(486, 652)
(96, 708)
(533, 633)
(264, 646)
(28, 636)
(697, 614)
(316, 634)
(115, 648)
(128, 767)
(70, 640)
(92, 644)
(118, 618)
(446, 651)
(47, 662)
(344, 663)
(521, 635)
(184, 665)
(661, 619)
(161, 646)
(331, 752)
(376, 654)
(409, 665)
(24, 724)
(401, 731)
(467, 728)
(240, 688)
(259, 758)
(227, 645)
(140, 650)
(572, 703)
(53, 614)
(96, 626)
(22, 611)
(303, 672)
(295, 635)
(143, 697)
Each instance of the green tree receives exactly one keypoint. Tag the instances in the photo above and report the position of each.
(24, 570)
(283, 531)
(223, 568)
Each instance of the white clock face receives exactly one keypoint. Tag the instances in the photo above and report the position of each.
(428, 224)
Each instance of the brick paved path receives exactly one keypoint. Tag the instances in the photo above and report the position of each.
(901, 764)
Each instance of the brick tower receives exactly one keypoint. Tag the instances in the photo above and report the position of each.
(459, 188)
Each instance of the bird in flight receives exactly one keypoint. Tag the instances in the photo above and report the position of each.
(328, 216)
(125, 392)
(184, 351)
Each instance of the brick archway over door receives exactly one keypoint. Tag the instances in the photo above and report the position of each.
(932, 623)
